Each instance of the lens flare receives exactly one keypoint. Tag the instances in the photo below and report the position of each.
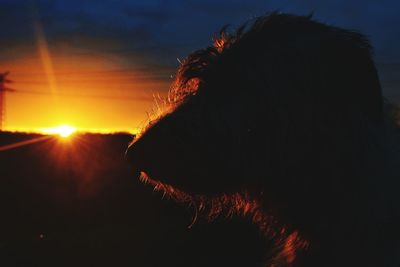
(62, 130)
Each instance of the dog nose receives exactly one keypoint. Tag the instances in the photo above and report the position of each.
(130, 152)
(135, 159)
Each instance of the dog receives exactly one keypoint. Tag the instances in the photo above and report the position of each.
(283, 121)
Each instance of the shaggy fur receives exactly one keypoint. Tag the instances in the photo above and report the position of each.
(283, 121)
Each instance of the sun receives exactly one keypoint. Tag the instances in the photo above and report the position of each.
(63, 131)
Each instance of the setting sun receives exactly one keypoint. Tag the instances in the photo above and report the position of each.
(62, 130)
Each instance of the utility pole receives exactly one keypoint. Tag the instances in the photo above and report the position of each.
(3, 90)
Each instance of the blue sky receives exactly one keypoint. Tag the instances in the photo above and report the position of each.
(168, 25)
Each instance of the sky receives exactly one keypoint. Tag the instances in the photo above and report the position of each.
(98, 65)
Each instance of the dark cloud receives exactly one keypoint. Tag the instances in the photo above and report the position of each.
(166, 23)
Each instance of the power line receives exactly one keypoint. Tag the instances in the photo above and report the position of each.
(115, 82)
(126, 98)
(131, 71)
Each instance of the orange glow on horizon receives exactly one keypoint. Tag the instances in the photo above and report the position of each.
(80, 81)
(62, 130)
(94, 93)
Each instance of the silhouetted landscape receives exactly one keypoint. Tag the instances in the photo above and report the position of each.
(76, 203)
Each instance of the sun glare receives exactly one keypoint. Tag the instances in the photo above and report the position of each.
(62, 130)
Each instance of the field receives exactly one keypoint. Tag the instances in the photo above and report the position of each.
(74, 202)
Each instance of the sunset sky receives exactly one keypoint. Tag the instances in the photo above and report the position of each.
(96, 65)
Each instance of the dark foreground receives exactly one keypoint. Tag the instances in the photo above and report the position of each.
(76, 203)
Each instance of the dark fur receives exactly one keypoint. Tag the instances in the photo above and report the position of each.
(286, 115)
